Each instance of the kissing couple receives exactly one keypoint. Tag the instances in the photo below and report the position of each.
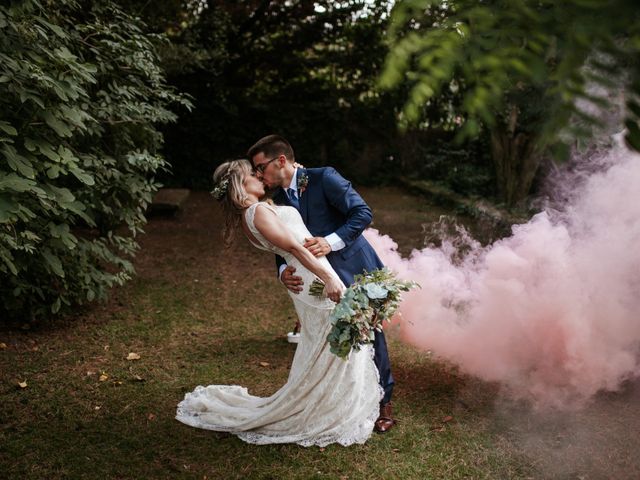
(314, 227)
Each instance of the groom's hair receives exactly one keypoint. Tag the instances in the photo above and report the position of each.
(271, 145)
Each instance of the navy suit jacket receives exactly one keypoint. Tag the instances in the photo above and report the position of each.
(330, 204)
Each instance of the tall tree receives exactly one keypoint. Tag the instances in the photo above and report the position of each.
(305, 69)
(524, 67)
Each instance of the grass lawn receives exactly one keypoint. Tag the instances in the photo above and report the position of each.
(197, 314)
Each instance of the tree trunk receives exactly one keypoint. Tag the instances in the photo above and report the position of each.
(515, 159)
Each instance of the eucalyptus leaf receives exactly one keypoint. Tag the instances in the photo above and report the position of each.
(375, 290)
(354, 321)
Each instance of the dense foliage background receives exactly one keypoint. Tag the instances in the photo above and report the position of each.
(80, 92)
(306, 70)
(535, 76)
(485, 94)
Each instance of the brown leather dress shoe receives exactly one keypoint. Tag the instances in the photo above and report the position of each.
(385, 421)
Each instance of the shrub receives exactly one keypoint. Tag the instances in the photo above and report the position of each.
(80, 95)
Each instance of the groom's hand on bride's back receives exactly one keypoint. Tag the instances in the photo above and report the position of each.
(291, 281)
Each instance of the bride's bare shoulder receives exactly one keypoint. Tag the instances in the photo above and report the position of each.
(264, 212)
(264, 207)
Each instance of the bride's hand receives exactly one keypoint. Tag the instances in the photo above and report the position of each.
(333, 289)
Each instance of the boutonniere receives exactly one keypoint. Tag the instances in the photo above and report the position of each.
(303, 181)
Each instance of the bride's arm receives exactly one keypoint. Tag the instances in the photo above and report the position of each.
(270, 226)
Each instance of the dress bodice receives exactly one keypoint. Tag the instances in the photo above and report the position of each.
(289, 216)
(292, 220)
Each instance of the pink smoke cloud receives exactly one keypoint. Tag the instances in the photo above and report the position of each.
(553, 311)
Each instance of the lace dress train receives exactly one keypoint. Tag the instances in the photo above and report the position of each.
(325, 399)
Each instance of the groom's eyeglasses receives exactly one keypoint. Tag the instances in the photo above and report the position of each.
(263, 166)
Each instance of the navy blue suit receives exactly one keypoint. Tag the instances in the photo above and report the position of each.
(330, 204)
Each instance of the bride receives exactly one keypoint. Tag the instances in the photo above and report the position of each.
(325, 399)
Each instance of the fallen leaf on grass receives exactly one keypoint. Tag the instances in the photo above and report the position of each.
(22, 384)
(3, 345)
(264, 364)
(446, 419)
(133, 356)
(138, 378)
(103, 377)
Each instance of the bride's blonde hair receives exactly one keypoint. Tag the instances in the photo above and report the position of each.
(230, 192)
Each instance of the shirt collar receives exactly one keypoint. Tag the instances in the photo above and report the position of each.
(294, 182)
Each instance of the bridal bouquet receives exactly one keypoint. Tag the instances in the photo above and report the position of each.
(373, 298)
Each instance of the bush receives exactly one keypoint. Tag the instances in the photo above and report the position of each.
(80, 93)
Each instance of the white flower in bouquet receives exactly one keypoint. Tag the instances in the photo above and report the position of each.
(373, 298)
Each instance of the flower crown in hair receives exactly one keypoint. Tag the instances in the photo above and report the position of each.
(220, 189)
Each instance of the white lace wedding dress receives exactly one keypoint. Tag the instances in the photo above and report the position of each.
(325, 400)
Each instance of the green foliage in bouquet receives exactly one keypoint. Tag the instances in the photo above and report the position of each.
(81, 94)
(372, 298)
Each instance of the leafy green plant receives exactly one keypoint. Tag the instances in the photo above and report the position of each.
(80, 93)
(372, 299)
(527, 70)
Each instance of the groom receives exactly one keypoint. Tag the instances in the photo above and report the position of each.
(336, 215)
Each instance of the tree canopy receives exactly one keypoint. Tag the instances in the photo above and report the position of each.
(88, 88)
(306, 70)
(535, 73)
